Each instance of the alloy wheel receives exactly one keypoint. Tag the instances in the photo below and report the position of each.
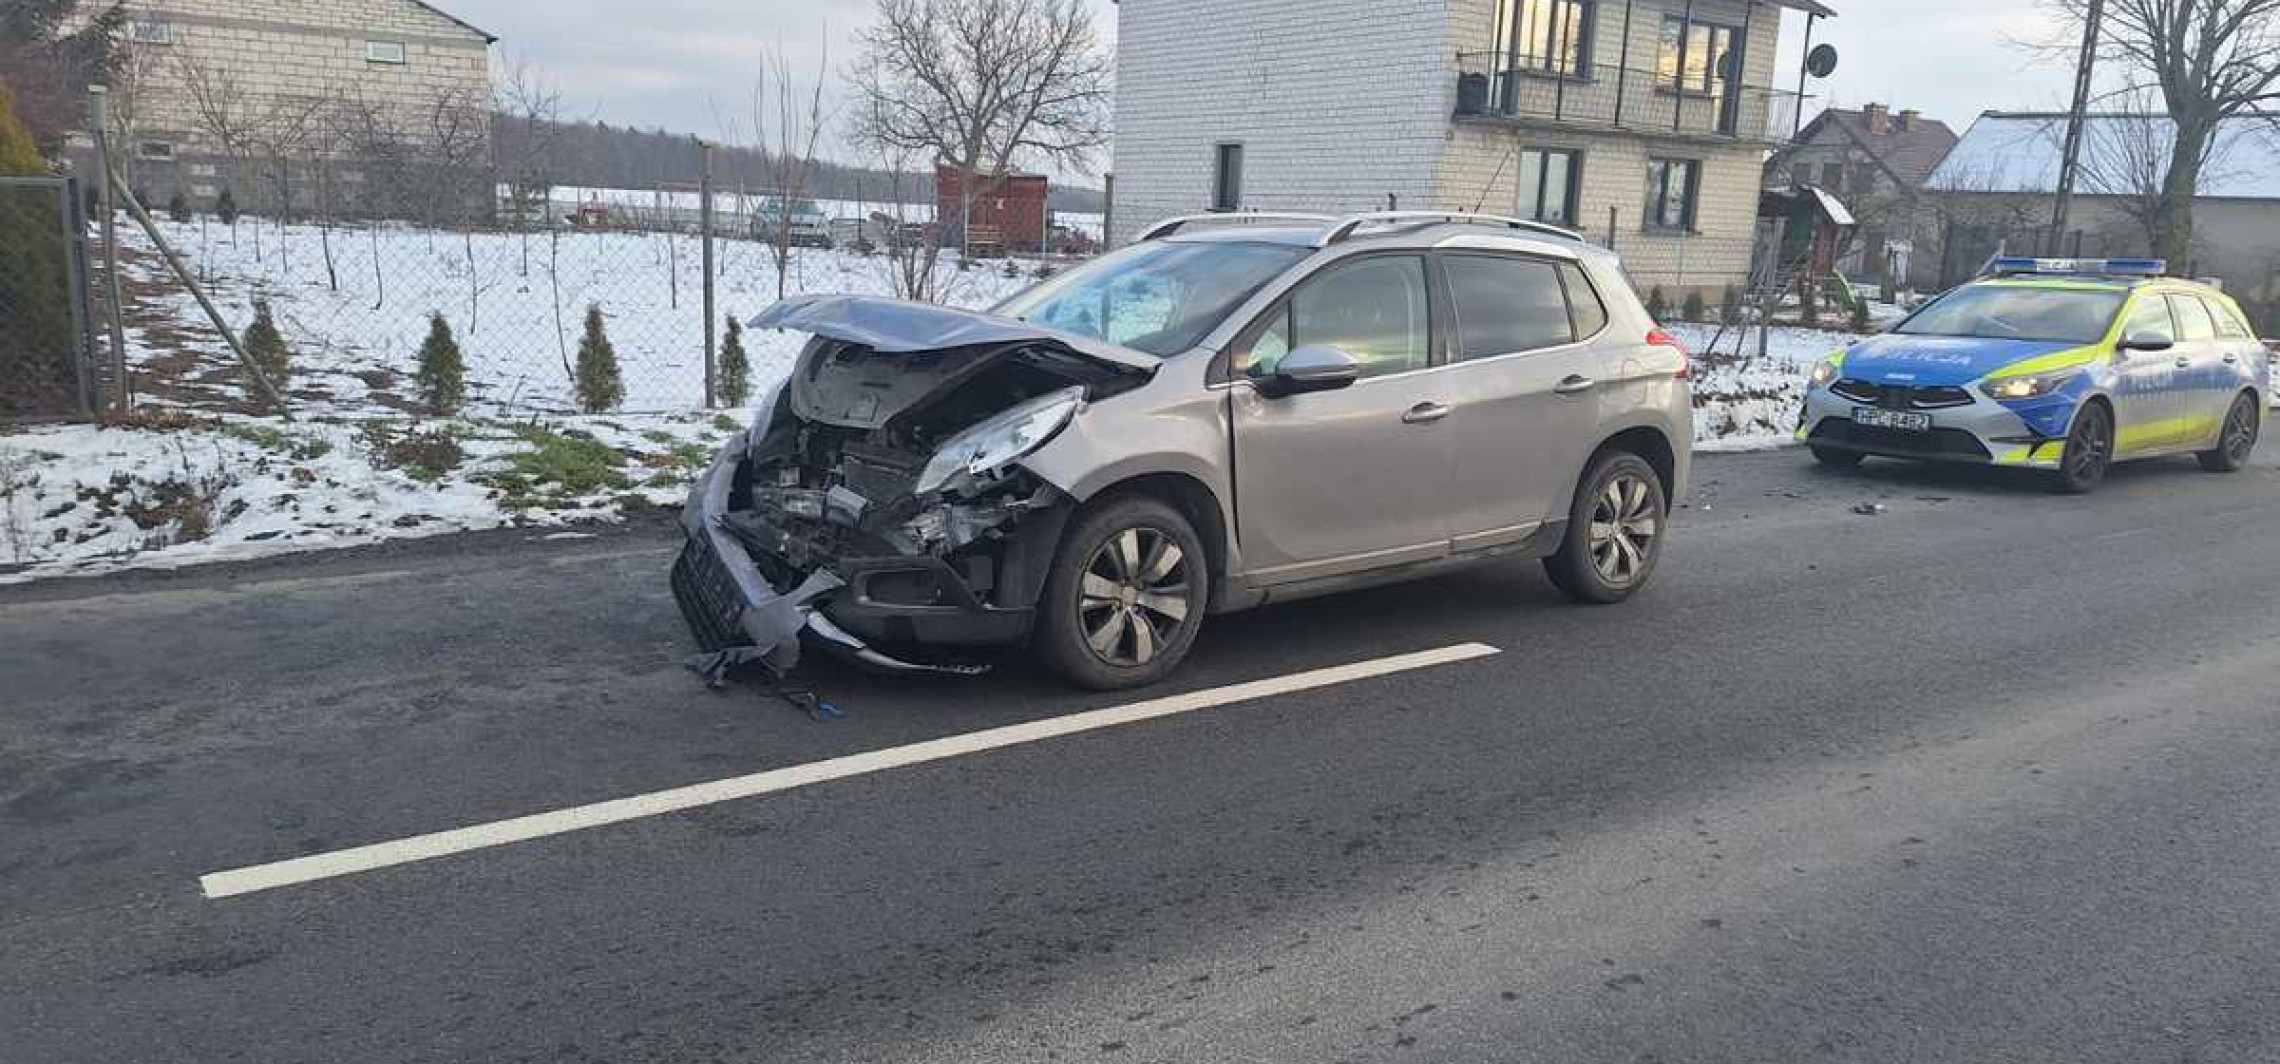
(2093, 446)
(1134, 596)
(2240, 431)
(1625, 525)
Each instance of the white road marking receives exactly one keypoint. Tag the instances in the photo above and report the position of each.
(578, 818)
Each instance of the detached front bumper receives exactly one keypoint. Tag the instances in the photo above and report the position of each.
(1981, 431)
(728, 588)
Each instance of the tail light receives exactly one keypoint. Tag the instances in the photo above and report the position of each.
(1657, 337)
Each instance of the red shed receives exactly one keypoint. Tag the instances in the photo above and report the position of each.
(1008, 213)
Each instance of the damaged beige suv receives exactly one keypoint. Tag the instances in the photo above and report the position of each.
(1232, 411)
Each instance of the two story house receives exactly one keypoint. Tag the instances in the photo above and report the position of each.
(209, 88)
(1876, 160)
(1644, 123)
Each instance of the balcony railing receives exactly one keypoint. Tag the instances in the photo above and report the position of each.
(1628, 98)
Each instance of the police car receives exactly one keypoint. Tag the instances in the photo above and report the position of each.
(2064, 365)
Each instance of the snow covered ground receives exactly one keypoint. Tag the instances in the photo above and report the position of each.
(202, 473)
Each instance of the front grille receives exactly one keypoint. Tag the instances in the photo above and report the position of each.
(708, 596)
(1937, 443)
(1901, 396)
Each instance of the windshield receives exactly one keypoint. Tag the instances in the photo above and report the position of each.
(2068, 315)
(1157, 297)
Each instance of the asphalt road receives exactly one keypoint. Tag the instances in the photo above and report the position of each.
(1984, 777)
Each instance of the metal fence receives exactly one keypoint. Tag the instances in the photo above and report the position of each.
(46, 366)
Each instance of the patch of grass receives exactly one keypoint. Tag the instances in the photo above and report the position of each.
(561, 465)
(426, 455)
(725, 423)
(300, 449)
(658, 436)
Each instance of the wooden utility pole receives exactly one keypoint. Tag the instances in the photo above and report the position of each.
(2070, 159)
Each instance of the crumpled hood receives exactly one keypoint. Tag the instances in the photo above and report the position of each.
(1941, 360)
(902, 325)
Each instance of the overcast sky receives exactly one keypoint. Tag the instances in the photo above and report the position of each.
(681, 64)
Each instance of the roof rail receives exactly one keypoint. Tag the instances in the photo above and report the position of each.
(1348, 224)
(1173, 225)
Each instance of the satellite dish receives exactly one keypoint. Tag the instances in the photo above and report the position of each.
(1821, 61)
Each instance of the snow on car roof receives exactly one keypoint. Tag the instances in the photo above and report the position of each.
(2019, 152)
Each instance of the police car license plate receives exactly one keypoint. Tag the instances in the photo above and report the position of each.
(1891, 419)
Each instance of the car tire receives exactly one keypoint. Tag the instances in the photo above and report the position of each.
(1125, 597)
(1615, 531)
(2089, 451)
(2237, 440)
(1841, 459)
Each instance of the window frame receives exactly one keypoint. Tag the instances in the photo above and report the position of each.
(2150, 299)
(1652, 220)
(156, 31)
(1539, 59)
(168, 151)
(1226, 181)
(1571, 205)
(1438, 317)
(375, 53)
(2190, 299)
(1457, 355)
(2222, 312)
(1713, 83)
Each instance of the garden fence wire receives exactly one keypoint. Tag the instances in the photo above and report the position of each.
(45, 353)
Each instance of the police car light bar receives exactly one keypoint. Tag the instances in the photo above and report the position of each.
(2010, 265)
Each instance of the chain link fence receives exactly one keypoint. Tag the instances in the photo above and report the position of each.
(45, 351)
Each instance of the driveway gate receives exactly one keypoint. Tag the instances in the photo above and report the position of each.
(47, 366)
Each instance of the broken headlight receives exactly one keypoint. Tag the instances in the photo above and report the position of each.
(1001, 440)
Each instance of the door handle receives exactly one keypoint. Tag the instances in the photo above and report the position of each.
(2184, 363)
(1425, 414)
(1574, 384)
(2232, 360)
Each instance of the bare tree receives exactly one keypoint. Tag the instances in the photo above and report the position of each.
(2127, 155)
(981, 85)
(229, 116)
(910, 252)
(790, 152)
(2207, 61)
(526, 116)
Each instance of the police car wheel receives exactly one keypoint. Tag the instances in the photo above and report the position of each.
(2089, 451)
(2238, 439)
(1830, 456)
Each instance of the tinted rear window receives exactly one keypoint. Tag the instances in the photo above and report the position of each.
(1590, 313)
(1507, 304)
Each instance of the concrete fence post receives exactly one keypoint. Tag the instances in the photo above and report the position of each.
(99, 106)
(705, 228)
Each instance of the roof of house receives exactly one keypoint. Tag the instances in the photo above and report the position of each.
(1909, 151)
(2018, 151)
(488, 36)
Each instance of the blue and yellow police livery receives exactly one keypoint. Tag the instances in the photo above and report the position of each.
(2056, 364)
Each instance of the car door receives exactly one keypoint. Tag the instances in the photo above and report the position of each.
(2234, 358)
(1525, 391)
(2143, 401)
(1340, 481)
(2199, 355)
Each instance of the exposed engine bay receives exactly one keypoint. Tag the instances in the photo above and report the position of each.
(850, 462)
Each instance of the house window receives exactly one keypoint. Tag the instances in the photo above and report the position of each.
(1696, 55)
(1673, 186)
(147, 31)
(1546, 36)
(1549, 180)
(1833, 176)
(1227, 178)
(389, 52)
(1801, 174)
(155, 150)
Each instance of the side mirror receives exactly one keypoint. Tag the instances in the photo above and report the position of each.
(2147, 342)
(1311, 368)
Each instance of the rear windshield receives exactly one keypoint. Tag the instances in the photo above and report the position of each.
(2063, 315)
(1158, 297)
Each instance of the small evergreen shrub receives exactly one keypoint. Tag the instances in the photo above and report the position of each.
(1658, 304)
(600, 383)
(735, 366)
(266, 346)
(226, 208)
(1692, 309)
(442, 373)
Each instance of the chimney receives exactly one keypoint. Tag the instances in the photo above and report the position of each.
(1908, 120)
(1873, 117)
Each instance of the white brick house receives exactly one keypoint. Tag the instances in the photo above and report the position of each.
(291, 77)
(1560, 110)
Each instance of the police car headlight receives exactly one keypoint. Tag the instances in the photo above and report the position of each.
(2027, 386)
(1824, 372)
